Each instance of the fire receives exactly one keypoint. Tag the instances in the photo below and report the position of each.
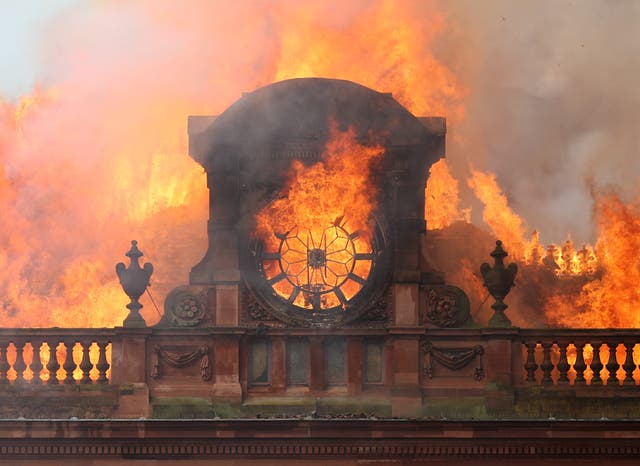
(384, 47)
(611, 299)
(504, 223)
(585, 287)
(62, 231)
(99, 156)
(442, 201)
(31, 103)
(320, 225)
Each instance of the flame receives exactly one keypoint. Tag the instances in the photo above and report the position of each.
(502, 221)
(442, 201)
(507, 225)
(585, 287)
(386, 46)
(320, 225)
(611, 299)
(100, 156)
(66, 221)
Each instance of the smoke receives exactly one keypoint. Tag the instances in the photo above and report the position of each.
(553, 104)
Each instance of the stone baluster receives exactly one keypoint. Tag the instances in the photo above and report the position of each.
(563, 364)
(531, 365)
(612, 364)
(579, 366)
(19, 366)
(36, 362)
(596, 364)
(69, 366)
(4, 363)
(85, 364)
(103, 365)
(547, 365)
(629, 365)
(53, 365)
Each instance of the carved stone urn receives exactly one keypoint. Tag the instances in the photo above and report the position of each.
(499, 281)
(134, 280)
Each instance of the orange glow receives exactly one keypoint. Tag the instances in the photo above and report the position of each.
(61, 353)
(320, 225)
(442, 202)
(611, 299)
(504, 223)
(67, 221)
(100, 157)
(593, 286)
(385, 47)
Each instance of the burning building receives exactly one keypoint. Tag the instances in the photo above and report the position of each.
(317, 205)
(317, 243)
(317, 306)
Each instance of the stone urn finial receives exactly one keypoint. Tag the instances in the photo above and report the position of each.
(134, 281)
(499, 280)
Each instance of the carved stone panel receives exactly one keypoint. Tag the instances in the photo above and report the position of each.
(162, 356)
(445, 306)
(454, 359)
(187, 307)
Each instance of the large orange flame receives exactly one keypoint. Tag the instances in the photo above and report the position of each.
(102, 158)
(319, 229)
(442, 200)
(385, 46)
(612, 298)
(586, 287)
(504, 223)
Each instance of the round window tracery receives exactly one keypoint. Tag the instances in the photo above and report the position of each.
(319, 269)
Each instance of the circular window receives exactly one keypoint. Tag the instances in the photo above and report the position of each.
(321, 270)
(324, 275)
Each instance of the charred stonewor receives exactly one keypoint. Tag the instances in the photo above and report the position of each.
(317, 212)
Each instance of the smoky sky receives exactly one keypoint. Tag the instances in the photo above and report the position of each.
(553, 104)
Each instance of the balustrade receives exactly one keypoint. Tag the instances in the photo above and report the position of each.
(580, 357)
(550, 357)
(51, 357)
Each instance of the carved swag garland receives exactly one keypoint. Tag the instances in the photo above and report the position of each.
(453, 359)
(181, 360)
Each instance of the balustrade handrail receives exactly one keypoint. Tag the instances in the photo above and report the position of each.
(564, 333)
(55, 331)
